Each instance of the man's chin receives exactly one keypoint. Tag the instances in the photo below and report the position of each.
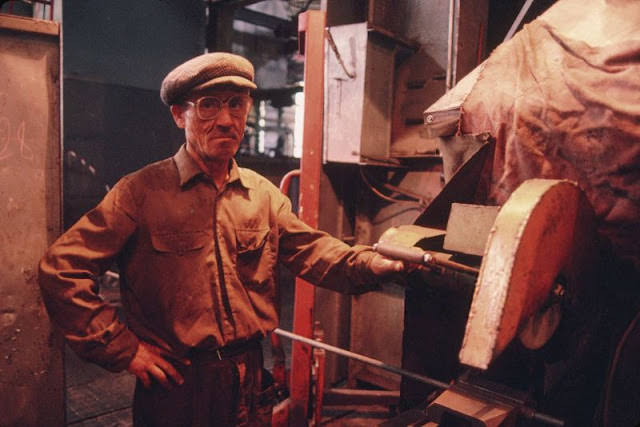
(220, 154)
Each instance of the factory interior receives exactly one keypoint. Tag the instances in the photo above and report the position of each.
(492, 145)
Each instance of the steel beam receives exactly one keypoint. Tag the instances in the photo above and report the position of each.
(311, 36)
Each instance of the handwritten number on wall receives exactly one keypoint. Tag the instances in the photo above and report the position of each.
(25, 151)
(6, 140)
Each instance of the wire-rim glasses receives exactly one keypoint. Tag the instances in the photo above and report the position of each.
(208, 107)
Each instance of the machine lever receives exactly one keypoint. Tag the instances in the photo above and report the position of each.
(418, 256)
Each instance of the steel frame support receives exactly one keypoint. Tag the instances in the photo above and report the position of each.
(311, 35)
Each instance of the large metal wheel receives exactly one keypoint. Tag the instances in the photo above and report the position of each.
(540, 250)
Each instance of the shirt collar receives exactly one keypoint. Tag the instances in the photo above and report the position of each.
(189, 169)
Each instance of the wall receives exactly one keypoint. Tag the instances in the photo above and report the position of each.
(115, 56)
(31, 385)
(130, 43)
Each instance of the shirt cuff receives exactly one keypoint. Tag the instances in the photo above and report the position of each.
(115, 355)
(365, 277)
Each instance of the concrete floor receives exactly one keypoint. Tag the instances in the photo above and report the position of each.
(96, 397)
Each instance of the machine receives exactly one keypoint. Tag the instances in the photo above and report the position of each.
(521, 307)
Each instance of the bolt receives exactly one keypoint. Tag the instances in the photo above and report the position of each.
(558, 291)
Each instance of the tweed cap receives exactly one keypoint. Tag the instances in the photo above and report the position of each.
(205, 71)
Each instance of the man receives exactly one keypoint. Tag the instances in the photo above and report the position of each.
(196, 239)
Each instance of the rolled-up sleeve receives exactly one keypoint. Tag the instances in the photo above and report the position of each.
(67, 279)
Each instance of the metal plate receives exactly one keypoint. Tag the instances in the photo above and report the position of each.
(468, 228)
(31, 376)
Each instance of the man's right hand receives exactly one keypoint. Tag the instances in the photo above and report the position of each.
(150, 363)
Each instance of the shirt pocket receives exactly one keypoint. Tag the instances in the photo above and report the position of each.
(254, 257)
(180, 243)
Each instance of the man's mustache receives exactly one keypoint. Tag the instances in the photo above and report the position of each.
(218, 134)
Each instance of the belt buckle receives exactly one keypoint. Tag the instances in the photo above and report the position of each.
(218, 353)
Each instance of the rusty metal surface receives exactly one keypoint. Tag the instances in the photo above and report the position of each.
(31, 373)
(468, 228)
(530, 245)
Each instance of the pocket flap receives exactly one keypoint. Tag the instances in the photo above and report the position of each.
(179, 243)
(250, 240)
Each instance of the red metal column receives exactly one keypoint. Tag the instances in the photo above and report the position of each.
(311, 38)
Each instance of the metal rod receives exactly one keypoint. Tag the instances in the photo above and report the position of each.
(455, 266)
(518, 20)
(526, 411)
(450, 41)
(418, 256)
(547, 419)
(361, 358)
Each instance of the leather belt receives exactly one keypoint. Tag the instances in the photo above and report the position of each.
(228, 351)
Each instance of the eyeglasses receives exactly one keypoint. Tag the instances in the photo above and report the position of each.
(209, 107)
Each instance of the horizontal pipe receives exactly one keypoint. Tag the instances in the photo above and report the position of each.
(361, 358)
(526, 411)
(418, 256)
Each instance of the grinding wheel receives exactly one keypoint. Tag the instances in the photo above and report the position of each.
(542, 237)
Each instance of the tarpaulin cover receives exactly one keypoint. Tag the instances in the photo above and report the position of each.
(562, 100)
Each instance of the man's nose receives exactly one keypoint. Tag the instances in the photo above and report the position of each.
(224, 118)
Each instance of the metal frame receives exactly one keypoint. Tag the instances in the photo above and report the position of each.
(311, 38)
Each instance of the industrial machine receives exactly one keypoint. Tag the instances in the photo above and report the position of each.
(519, 309)
(510, 290)
(526, 274)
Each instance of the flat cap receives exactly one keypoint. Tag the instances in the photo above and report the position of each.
(205, 71)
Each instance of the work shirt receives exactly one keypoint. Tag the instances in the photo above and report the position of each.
(196, 262)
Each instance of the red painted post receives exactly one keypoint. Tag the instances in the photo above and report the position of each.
(311, 36)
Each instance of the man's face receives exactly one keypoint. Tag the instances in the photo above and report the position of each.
(213, 138)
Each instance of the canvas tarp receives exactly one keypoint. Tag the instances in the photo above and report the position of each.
(562, 100)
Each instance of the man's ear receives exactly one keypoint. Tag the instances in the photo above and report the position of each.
(177, 112)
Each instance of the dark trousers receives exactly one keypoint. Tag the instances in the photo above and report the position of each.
(227, 391)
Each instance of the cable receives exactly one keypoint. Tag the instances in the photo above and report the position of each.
(419, 201)
(418, 197)
(332, 44)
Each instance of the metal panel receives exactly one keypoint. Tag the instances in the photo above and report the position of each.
(376, 331)
(31, 376)
(358, 94)
(344, 92)
(468, 228)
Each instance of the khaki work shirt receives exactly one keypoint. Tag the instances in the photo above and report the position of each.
(196, 263)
